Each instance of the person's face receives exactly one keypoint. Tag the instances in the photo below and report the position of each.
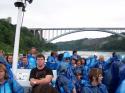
(67, 60)
(1, 53)
(83, 61)
(2, 74)
(40, 61)
(79, 77)
(75, 53)
(100, 78)
(24, 60)
(55, 54)
(73, 62)
(33, 51)
(101, 59)
(10, 59)
(78, 63)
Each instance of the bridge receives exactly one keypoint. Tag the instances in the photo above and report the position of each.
(50, 34)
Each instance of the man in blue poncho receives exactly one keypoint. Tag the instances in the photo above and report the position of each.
(75, 55)
(115, 67)
(32, 58)
(23, 63)
(52, 61)
(121, 88)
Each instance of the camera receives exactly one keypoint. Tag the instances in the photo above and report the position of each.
(30, 1)
(20, 3)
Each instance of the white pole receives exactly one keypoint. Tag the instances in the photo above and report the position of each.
(17, 39)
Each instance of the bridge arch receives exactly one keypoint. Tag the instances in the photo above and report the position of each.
(107, 31)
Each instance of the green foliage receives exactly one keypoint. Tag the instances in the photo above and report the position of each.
(27, 40)
(115, 45)
(111, 43)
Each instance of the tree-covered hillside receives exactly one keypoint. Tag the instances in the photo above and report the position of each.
(111, 43)
(27, 40)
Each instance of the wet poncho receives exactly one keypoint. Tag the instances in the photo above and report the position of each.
(115, 76)
(23, 66)
(65, 78)
(121, 88)
(31, 61)
(94, 89)
(3, 61)
(6, 87)
(52, 63)
(10, 85)
(64, 85)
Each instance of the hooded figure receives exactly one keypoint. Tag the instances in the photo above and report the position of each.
(8, 83)
(121, 88)
(3, 61)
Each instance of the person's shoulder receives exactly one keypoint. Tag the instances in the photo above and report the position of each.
(102, 85)
(46, 68)
(34, 69)
(86, 89)
(10, 81)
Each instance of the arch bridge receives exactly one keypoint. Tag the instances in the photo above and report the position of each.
(50, 34)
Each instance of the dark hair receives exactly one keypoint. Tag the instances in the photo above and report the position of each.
(60, 57)
(74, 59)
(74, 51)
(67, 58)
(24, 57)
(40, 55)
(53, 53)
(114, 54)
(78, 74)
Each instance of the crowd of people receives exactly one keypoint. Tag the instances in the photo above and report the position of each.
(75, 74)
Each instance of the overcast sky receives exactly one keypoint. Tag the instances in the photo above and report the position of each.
(69, 13)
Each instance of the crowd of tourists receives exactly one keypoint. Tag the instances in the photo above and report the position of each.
(75, 73)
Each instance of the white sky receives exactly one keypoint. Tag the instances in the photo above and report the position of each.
(69, 13)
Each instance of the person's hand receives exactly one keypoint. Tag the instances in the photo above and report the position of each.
(33, 82)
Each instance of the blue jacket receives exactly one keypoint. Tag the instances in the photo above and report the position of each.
(94, 89)
(121, 88)
(64, 84)
(122, 73)
(78, 85)
(115, 76)
(91, 61)
(11, 86)
(101, 65)
(3, 61)
(31, 61)
(6, 87)
(52, 63)
(90, 89)
(23, 66)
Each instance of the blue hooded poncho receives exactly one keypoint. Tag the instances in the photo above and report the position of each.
(11, 85)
